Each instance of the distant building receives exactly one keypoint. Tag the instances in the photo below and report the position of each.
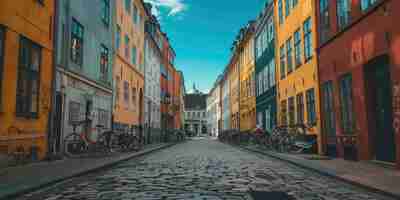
(195, 112)
(214, 108)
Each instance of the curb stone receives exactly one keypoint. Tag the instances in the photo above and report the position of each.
(30, 188)
(322, 171)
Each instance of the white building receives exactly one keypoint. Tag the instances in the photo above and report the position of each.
(153, 59)
(195, 112)
(214, 109)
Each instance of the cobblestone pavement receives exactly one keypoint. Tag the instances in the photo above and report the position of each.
(201, 169)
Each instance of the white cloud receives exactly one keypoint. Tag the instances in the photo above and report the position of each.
(174, 7)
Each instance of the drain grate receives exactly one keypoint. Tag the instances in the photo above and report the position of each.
(270, 195)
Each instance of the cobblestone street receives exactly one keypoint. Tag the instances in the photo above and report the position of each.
(201, 169)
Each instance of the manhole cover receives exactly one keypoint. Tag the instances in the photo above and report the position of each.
(268, 195)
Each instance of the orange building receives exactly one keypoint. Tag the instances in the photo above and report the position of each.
(26, 68)
(177, 99)
(167, 85)
(128, 66)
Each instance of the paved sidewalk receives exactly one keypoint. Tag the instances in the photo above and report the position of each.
(18, 180)
(385, 180)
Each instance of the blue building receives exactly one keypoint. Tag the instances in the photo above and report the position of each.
(265, 68)
(84, 67)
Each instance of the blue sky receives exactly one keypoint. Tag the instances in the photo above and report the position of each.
(201, 32)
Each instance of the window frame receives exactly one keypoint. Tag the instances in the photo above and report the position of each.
(106, 12)
(280, 12)
(300, 108)
(284, 108)
(291, 110)
(371, 3)
(127, 52)
(79, 37)
(24, 103)
(282, 62)
(289, 57)
(287, 8)
(74, 113)
(343, 24)
(324, 22)
(328, 109)
(297, 48)
(311, 106)
(307, 40)
(350, 114)
(104, 67)
(127, 6)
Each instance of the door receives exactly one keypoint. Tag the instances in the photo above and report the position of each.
(57, 122)
(379, 77)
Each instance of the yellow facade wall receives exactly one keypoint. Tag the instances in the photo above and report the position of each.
(247, 85)
(129, 111)
(233, 78)
(306, 75)
(33, 21)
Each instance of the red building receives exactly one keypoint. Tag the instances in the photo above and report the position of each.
(167, 85)
(359, 71)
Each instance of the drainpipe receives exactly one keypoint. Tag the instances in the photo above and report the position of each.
(50, 122)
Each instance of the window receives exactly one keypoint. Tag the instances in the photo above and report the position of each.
(105, 11)
(282, 59)
(134, 96)
(133, 55)
(289, 55)
(128, 6)
(284, 112)
(268, 119)
(102, 116)
(311, 117)
(294, 3)
(307, 39)
(118, 37)
(127, 46)
(2, 40)
(297, 48)
(134, 14)
(324, 20)
(265, 75)
(271, 31)
(104, 62)
(329, 126)
(365, 4)
(126, 91)
(260, 119)
(280, 11)
(28, 83)
(77, 42)
(291, 110)
(74, 114)
(300, 108)
(287, 7)
(346, 101)
(343, 13)
(272, 72)
(117, 89)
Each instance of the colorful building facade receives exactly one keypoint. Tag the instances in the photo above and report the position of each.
(359, 77)
(225, 102)
(234, 90)
(128, 66)
(265, 69)
(26, 74)
(298, 88)
(247, 79)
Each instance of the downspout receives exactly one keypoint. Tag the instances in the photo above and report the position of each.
(50, 122)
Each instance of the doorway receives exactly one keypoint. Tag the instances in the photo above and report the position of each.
(57, 122)
(379, 90)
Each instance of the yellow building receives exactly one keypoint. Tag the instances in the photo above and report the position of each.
(297, 75)
(128, 69)
(233, 78)
(26, 68)
(247, 80)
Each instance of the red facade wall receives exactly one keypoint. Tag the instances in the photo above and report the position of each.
(371, 35)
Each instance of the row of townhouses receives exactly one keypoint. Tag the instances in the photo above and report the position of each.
(105, 62)
(332, 65)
